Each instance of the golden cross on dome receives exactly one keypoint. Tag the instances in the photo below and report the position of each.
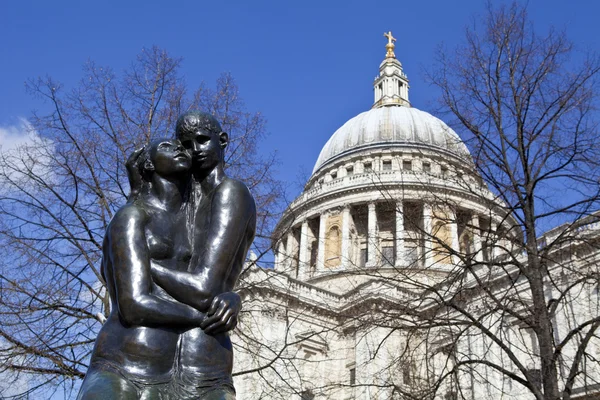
(390, 37)
(390, 45)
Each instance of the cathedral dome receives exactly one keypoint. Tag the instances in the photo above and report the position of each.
(385, 182)
(390, 126)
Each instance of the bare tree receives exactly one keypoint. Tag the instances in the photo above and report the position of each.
(497, 293)
(526, 106)
(59, 192)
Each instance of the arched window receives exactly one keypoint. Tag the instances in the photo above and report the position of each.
(333, 247)
(466, 243)
(442, 240)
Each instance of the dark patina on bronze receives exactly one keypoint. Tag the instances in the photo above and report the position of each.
(171, 258)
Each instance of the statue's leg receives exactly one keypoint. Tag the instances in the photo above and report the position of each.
(190, 392)
(155, 392)
(106, 385)
(220, 394)
(187, 386)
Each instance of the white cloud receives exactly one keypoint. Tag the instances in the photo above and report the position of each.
(23, 152)
(11, 384)
(15, 136)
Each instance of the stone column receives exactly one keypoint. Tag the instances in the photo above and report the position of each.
(280, 259)
(303, 258)
(400, 254)
(476, 238)
(321, 248)
(454, 235)
(427, 228)
(494, 242)
(345, 237)
(289, 251)
(372, 244)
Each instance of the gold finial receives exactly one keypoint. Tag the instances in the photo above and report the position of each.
(390, 45)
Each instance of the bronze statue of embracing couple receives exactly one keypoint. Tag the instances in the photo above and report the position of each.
(171, 258)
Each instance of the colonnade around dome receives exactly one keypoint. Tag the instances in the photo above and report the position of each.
(383, 233)
(402, 207)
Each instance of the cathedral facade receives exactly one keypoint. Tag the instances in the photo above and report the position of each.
(367, 298)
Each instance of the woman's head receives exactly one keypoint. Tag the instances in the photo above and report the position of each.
(165, 157)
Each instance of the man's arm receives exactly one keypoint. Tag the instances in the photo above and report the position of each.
(134, 175)
(231, 229)
(127, 250)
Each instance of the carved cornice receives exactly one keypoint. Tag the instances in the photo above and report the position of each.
(313, 203)
(296, 295)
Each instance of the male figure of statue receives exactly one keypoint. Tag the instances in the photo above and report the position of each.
(224, 223)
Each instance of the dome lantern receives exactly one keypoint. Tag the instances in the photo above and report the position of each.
(392, 124)
(391, 86)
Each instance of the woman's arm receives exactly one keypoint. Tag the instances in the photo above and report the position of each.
(232, 210)
(223, 309)
(185, 287)
(130, 262)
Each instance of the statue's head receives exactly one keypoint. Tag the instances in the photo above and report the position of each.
(202, 135)
(165, 157)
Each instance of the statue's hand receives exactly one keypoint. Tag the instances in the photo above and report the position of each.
(133, 173)
(222, 315)
(156, 271)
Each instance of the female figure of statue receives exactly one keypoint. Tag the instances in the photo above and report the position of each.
(136, 352)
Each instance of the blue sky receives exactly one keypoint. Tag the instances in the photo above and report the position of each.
(307, 66)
